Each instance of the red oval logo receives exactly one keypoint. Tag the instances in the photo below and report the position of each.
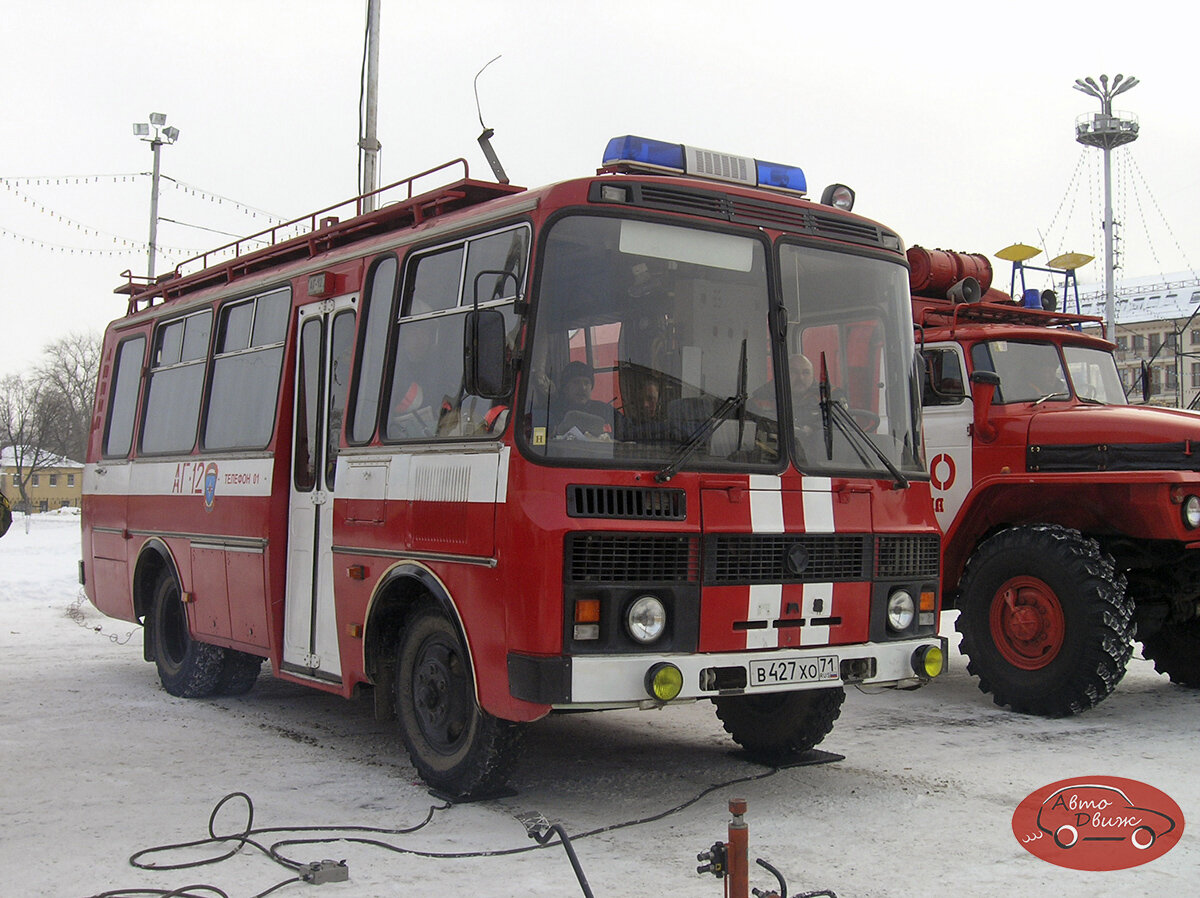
(941, 472)
(1098, 823)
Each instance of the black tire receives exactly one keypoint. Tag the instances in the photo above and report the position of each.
(239, 672)
(187, 668)
(457, 747)
(1046, 624)
(776, 727)
(1175, 651)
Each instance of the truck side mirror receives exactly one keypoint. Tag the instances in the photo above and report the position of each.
(983, 391)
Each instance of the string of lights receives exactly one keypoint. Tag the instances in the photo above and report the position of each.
(193, 190)
(120, 246)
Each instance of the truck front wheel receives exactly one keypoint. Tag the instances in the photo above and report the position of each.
(1045, 621)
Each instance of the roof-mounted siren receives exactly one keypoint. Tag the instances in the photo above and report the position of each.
(966, 290)
(657, 157)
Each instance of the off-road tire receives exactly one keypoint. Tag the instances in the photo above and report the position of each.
(458, 748)
(187, 667)
(777, 727)
(1175, 651)
(239, 672)
(1062, 644)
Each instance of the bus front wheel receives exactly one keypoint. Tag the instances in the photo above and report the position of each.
(457, 747)
(778, 727)
(187, 668)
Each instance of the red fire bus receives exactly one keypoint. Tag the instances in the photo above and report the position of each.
(640, 438)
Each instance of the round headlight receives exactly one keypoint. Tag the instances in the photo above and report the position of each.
(646, 619)
(900, 610)
(1191, 512)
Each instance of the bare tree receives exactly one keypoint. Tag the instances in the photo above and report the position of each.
(27, 420)
(67, 378)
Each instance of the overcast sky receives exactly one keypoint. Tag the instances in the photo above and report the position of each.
(954, 122)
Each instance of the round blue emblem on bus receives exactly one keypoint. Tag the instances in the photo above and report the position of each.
(210, 485)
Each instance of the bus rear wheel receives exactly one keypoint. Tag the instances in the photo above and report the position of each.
(457, 747)
(187, 668)
(239, 672)
(778, 727)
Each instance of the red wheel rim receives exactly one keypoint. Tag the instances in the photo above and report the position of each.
(1027, 623)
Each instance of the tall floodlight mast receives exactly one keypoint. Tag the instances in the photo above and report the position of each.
(162, 136)
(1107, 130)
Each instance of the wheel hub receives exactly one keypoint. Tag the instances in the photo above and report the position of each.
(1027, 623)
(439, 697)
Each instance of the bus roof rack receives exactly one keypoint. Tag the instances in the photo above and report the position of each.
(313, 234)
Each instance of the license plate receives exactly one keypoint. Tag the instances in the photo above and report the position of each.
(808, 670)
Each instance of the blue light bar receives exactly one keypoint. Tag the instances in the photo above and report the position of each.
(641, 154)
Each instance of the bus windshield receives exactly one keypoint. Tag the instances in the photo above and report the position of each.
(849, 340)
(652, 341)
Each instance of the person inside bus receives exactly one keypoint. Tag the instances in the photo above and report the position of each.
(806, 403)
(573, 411)
(643, 418)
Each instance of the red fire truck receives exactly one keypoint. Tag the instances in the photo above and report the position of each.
(1071, 519)
(489, 452)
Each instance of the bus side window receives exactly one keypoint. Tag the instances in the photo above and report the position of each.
(427, 399)
(378, 299)
(175, 384)
(122, 403)
(247, 363)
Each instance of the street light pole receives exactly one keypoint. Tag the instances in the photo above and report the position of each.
(165, 136)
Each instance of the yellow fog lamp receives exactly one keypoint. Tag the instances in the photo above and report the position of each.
(664, 681)
(928, 661)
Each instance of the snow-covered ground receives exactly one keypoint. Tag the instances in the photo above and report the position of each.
(99, 762)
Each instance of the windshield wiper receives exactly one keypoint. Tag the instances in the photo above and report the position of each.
(858, 438)
(704, 431)
(1058, 393)
(833, 414)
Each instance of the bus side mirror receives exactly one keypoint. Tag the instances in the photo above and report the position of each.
(486, 371)
(984, 389)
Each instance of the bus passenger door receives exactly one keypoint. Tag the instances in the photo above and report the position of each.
(325, 333)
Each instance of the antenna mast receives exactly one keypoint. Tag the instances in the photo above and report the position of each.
(368, 144)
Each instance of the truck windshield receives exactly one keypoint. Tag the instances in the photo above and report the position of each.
(850, 324)
(651, 346)
(1094, 375)
(1029, 372)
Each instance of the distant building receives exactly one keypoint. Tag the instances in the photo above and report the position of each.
(1157, 323)
(57, 485)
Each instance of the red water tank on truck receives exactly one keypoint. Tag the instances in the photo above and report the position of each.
(1071, 518)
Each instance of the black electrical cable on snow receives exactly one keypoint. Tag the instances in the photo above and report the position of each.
(244, 836)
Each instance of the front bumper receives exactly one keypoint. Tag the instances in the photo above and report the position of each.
(609, 681)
